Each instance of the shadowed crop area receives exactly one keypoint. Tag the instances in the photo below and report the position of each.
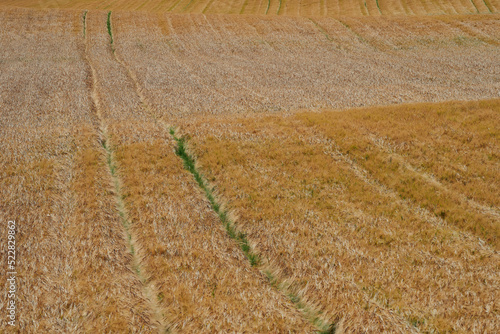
(308, 167)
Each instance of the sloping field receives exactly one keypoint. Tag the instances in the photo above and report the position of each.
(179, 244)
(307, 8)
(194, 173)
(194, 64)
(72, 268)
(352, 226)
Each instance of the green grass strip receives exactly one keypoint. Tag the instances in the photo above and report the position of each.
(84, 24)
(190, 164)
(376, 1)
(239, 237)
(110, 32)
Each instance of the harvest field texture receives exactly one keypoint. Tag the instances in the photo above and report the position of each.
(306, 8)
(204, 166)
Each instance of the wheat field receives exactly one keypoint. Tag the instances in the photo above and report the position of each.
(250, 166)
(311, 8)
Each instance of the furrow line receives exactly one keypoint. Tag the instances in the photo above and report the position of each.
(137, 267)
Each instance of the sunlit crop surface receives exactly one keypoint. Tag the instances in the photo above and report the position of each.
(312, 166)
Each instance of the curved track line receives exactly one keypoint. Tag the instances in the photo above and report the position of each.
(148, 289)
(309, 311)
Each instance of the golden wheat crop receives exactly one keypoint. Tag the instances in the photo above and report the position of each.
(189, 65)
(344, 237)
(72, 266)
(311, 8)
(446, 160)
(278, 216)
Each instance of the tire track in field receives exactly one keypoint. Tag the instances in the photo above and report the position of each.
(472, 31)
(332, 150)
(137, 267)
(493, 211)
(283, 286)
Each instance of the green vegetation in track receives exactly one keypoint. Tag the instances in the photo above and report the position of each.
(255, 260)
(190, 165)
(110, 32)
(85, 24)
